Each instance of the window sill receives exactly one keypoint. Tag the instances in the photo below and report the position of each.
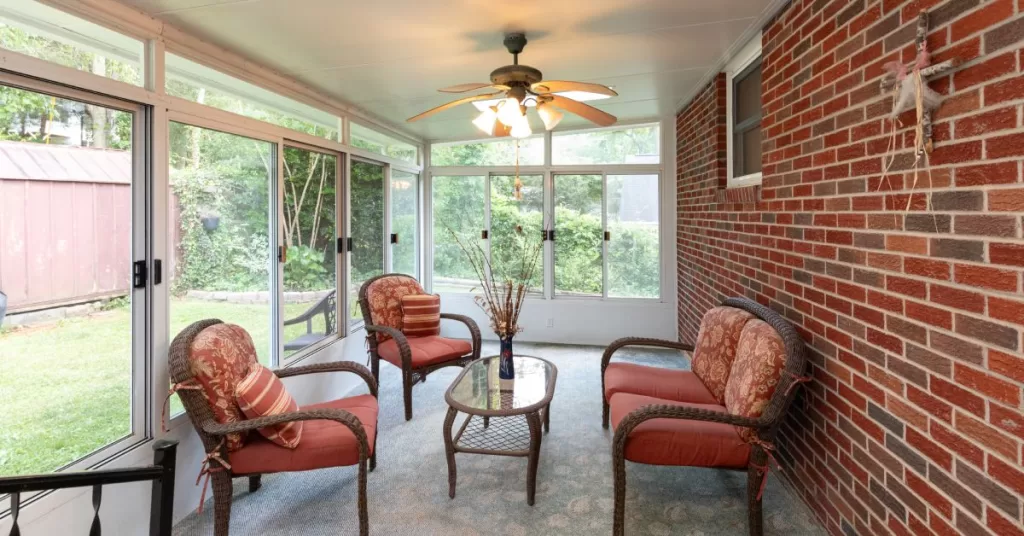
(746, 181)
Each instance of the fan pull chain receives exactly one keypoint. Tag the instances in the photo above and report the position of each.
(519, 182)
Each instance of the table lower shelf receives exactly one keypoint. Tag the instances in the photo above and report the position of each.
(507, 436)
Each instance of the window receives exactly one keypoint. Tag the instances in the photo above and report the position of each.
(744, 115)
(309, 232)
(459, 204)
(516, 225)
(579, 240)
(488, 153)
(72, 345)
(373, 141)
(632, 216)
(31, 28)
(404, 222)
(636, 145)
(189, 80)
(220, 261)
(366, 202)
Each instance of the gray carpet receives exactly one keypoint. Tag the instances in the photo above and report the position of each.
(408, 493)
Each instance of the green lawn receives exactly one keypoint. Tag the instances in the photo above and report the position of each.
(65, 387)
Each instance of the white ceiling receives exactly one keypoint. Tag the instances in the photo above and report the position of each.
(389, 56)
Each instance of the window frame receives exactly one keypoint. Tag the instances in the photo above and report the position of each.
(742, 64)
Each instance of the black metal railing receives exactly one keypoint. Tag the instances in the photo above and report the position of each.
(161, 473)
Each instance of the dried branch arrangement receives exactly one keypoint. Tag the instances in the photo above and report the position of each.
(503, 294)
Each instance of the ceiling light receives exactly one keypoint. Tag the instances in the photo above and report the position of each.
(486, 120)
(549, 115)
(521, 128)
(509, 111)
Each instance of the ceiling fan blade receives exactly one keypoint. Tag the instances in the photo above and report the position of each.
(585, 111)
(462, 88)
(452, 104)
(558, 86)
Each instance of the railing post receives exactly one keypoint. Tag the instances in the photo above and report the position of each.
(161, 517)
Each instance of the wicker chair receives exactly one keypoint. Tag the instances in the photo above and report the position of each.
(380, 302)
(355, 444)
(671, 417)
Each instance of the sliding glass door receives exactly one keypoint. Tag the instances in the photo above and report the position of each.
(405, 222)
(309, 231)
(366, 228)
(73, 264)
(579, 235)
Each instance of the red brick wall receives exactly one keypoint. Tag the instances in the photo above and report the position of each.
(914, 318)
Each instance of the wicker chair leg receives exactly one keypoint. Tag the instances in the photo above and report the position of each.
(407, 389)
(375, 368)
(254, 483)
(604, 412)
(619, 474)
(755, 475)
(373, 457)
(221, 503)
(364, 517)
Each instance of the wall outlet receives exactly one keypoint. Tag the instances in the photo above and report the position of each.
(551, 322)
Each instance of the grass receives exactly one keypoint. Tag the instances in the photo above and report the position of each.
(65, 388)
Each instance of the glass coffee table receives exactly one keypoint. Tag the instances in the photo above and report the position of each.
(503, 416)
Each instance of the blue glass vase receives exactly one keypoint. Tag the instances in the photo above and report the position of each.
(506, 369)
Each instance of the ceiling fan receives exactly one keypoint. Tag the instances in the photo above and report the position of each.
(520, 87)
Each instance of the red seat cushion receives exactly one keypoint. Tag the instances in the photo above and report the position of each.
(426, 351)
(679, 441)
(324, 443)
(669, 384)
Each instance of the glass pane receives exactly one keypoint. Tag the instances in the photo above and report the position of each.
(366, 199)
(748, 95)
(189, 80)
(633, 261)
(220, 232)
(488, 153)
(516, 224)
(404, 218)
(65, 268)
(637, 145)
(40, 31)
(374, 141)
(309, 230)
(749, 158)
(458, 204)
(579, 235)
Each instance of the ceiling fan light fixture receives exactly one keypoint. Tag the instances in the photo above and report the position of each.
(509, 111)
(486, 120)
(521, 128)
(549, 115)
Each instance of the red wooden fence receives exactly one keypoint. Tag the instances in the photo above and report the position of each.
(65, 224)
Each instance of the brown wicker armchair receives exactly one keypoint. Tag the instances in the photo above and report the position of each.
(324, 443)
(675, 417)
(380, 302)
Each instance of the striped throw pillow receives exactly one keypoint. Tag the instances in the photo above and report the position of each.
(262, 393)
(421, 315)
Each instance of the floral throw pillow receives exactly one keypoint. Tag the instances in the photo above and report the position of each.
(220, 356)
(760, 358)
(262, 393)
(385, 299)
(715, 349)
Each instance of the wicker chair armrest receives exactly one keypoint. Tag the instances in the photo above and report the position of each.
(474, 330)
(341, 416)
(666, 411)
(334, 366)
(403, 343)
(638, 341)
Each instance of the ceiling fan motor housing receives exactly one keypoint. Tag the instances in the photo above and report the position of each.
(516, 75)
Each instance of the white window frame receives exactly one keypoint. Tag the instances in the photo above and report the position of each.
(746, 56)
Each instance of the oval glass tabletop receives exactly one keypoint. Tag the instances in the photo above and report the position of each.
(478, 389)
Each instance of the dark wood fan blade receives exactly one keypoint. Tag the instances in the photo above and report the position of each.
(558, 86)
(452, 104)
(462, 88)
(585, 111)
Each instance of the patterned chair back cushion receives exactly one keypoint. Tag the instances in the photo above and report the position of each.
(220, 357)
(716, 347)
(760, 359)
(384, 297)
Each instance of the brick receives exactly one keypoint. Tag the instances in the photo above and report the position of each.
(928, 223)
(959, 200)
(956, 347)
(957, 443)
(929, 315)
(983, 174)
(929, 448)
(964, 498)
(1010, 366)
(1002, 526)
(1008, 254)
(1006, 200)
(986, 435)
(989, 332)
(965, 250)
(998, 226)
(933, 497)
(890, 502)
(987, 70)
(1004, 146)
(927, 268)
(957, 396)
(1006, 310)
(985, 277)
(1004, 36)
(930, 360)
(981, 19)
(988, 489)
(948, 11)
(1006, 474)
(1007, 90)
(1008, 420)
(957, 298)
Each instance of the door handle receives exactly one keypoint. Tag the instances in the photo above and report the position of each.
(394, 238)
(282, 253)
